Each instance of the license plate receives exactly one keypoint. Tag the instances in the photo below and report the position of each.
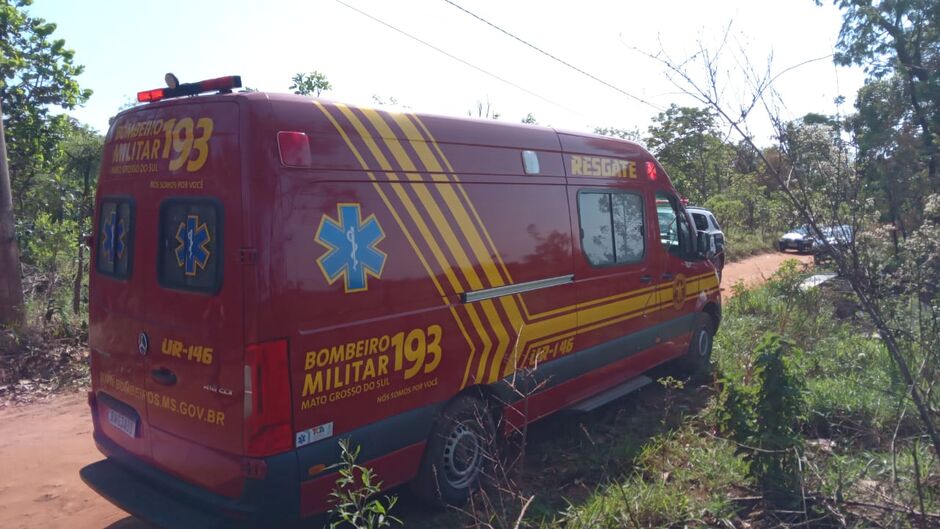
(122, 422)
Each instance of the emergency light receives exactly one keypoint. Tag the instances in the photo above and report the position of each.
(222, 84)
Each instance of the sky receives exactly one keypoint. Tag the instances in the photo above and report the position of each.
(128, 46)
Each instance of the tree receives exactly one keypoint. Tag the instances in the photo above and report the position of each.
(36, 74)
(81, 153)
(485, 111)
(815, 172)
(623, 134)
(902, 38)
(311, 83)
(529, 119)
(11, 286)
(687, 142)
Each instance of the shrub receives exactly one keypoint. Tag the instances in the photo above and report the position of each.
(356, 502)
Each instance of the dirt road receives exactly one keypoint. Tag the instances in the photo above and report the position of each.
(43, 445)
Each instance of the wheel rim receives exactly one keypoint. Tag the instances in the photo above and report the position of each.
(463, 456)
(704, 343)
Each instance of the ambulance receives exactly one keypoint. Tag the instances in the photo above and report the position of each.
(272, 274)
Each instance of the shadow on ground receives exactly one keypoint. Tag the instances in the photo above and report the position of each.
(129, 523)
(569, 455)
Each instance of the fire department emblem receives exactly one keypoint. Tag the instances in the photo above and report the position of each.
(679, 290)
(351, 242)
(193, 253)
(115, 237)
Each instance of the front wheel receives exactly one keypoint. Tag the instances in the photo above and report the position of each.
(458, 454)
(697, 360)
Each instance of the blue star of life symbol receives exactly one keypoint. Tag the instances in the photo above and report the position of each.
(351, 243)
(115, 237)
(193, 250)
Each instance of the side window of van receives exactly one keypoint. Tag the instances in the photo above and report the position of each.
(189, 255)
(611, 227)
(115, 237)
(675, 233)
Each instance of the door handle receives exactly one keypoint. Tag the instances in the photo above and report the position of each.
(667, 276)
(646, 279)
(163, 376)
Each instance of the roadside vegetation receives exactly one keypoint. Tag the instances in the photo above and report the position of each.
(803, 422)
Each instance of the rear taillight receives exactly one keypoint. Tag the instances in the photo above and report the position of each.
(267, 399)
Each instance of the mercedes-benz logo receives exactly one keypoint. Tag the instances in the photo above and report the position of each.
(143, 343)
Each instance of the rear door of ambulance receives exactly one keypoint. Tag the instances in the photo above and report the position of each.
(166, 296)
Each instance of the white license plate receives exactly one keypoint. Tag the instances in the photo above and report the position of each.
(122, 422)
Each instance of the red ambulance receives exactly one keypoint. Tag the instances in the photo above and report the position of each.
(274, 273)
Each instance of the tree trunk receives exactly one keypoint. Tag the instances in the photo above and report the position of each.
(84, 213)
(11, 282)
(77, 285)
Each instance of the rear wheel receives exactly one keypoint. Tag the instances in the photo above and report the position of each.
(458, 454)
(697, 360)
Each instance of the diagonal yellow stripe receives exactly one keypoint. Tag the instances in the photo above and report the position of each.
(437, 218)
(408, 236)
(402, 196)
(463, 223)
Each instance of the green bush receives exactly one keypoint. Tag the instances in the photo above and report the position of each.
(356, 502)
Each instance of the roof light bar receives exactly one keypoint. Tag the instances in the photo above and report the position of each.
(191, 89)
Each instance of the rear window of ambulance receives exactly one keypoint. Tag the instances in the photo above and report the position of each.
(115, 237)
(190, 245)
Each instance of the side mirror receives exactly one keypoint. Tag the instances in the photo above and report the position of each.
(703, 246)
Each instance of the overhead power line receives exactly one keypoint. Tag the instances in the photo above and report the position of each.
(458, 59)
(553, 57)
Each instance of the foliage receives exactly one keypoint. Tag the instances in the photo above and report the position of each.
(687, 142)
(37, 72)
(53, 163)
(310, 83)
(623, 134)
(356, 504)
(529, 119)
(778, 407)
(484, 110)
(763, 417)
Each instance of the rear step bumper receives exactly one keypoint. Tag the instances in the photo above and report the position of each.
(145, 501)
(168, 502)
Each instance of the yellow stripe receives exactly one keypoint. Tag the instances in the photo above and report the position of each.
(402, 196)
(382, 195)
(487, 345)
(473, 210)
(402, 226)
(449, 236)
(464, 224)
(386, 166)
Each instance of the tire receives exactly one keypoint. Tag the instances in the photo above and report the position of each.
(697, 361)
(458, 455)
(800, 249)
(782, 247)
